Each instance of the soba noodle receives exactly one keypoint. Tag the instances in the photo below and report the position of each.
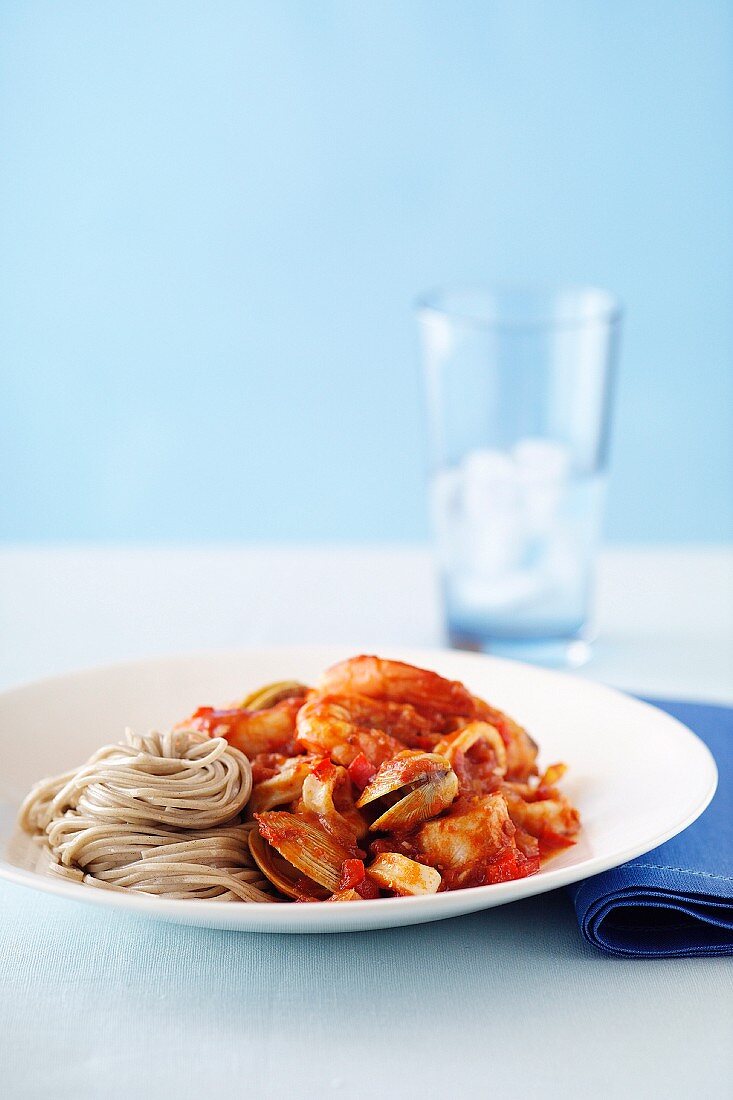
(158, 814)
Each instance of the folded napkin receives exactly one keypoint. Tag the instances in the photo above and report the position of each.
(677, 900)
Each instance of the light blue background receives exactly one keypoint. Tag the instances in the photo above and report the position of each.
(215, 217)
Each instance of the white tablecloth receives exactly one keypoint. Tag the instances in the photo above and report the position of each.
(509, 1002)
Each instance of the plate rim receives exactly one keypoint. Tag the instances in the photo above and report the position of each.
(406, 910)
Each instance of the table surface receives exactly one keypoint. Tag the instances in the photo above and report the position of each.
(508, 1001)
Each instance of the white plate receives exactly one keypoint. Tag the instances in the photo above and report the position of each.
(637, 775)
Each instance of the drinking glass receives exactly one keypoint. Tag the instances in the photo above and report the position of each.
(519, 388)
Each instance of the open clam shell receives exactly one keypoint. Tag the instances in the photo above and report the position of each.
(283, 875)
(304, 844)
(270, 694)
(429, 783)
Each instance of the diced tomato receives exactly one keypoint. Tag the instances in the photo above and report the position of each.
(367, 888)
(361, 771)
(323, 769)
(202, 712)
(511, 865)
(352, 873)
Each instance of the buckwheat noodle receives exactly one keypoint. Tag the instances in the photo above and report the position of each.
(158, 814)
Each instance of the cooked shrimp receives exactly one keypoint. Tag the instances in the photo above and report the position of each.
(251, 731)
(430, 693)
(342, 726)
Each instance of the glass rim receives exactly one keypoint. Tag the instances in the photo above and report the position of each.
(436, 303)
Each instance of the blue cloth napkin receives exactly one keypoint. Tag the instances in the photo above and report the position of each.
(677, 900)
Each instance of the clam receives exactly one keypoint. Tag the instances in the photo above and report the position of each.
(467, 738)
(283, 875)
(404, 876)
(427, 780)
(271, 694)
(311, 851)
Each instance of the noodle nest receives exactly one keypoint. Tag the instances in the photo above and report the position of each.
(158, 814)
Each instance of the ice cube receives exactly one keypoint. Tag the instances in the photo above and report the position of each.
(489, 489)
(542, 467)
(492, 548)
(510, 591)
(542, 458)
